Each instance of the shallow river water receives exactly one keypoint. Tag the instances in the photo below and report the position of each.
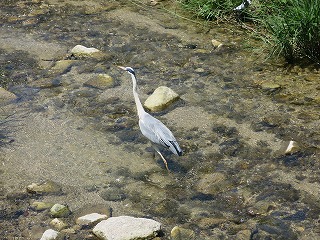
(234, 180)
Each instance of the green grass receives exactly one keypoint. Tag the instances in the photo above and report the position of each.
(291, 27)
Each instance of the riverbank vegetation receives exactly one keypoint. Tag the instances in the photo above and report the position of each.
(291, 27)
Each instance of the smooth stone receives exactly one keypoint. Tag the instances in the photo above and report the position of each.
(44, 188)
(6, 96)
(270, 86)
(161, 98)
(58, 224)
(216, 44)
(49, 234)
(100, 81)
(63, 65)
(80, 51)
(40, 206)
(127, 228)
(179, 233)
(243, 235)
(59, 211)
(91, 218)
(288, 147)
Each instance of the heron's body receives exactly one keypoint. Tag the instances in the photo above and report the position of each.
(152, 128)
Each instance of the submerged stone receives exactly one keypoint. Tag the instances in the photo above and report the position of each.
(161, 98)
(59, 211)
(58, 224)
(40, 206)
(80, 51)
(127, 228)
(179, 233)
(270, 86)
(44, 188)
(100, 81)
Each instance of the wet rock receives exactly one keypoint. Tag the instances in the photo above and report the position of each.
(59, 211)
(6, 96)
(91, 219)
(49, 234)
(80, 51)
(58, 224)
(40, 206)
(113, 194)
(100, 81)
(216, 44)
(161, 98)
(63, 65)
(261, 208)
(126, 228)
(292, 147)
(44, 188)
(179, 233)
(270, 86)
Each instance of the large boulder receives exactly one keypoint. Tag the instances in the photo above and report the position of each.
(127, 228)
(161, 98)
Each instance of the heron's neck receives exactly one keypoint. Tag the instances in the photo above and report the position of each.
(140, 108)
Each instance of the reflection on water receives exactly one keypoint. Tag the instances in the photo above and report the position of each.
(231, 177)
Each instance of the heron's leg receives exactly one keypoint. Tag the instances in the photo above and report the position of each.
(164, 160)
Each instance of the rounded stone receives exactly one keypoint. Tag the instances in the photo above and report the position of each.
(59, 211)
(179, 233)
(161, 98)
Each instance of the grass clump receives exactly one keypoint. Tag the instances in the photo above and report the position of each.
(295, 31)
(292, 27)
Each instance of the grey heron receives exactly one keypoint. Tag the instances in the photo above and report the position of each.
(152, 128)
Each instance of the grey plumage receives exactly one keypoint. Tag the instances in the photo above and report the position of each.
(152, 128)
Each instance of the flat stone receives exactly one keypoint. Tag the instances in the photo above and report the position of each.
(91, 218)
(211, 183)
(63, 65)
(127, 228)
(270, 86)
(44, 188)
(100, 81)
(161, 98)
(49, 234)
(216, 44)
(40, 206)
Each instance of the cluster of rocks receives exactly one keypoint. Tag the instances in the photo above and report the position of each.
(97, 224)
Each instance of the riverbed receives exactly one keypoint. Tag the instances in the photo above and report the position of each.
(238, 110)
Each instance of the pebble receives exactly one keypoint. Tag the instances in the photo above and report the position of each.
(59, 211)
(179, 233)
(63, 65)
(80, 51)
(91, 218)
(58, 224)
(161, 98)
(127, 228)
(216, 44)
(49, 234)
(270, 86)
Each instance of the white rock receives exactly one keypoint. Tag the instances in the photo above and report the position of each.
(82, 51)
(58, 224)
(49, 234)
(292, 147)
(90, 218)
(126, 228)
(160, 99)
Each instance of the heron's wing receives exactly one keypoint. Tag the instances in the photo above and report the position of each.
(158, 133)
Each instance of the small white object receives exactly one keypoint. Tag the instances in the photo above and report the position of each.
(243, 5)
(49, 234)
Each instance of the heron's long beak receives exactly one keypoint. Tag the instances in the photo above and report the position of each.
(123, 68)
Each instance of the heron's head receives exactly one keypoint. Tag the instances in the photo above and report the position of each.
(128, 69)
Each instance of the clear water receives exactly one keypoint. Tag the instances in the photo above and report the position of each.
(231, 177)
